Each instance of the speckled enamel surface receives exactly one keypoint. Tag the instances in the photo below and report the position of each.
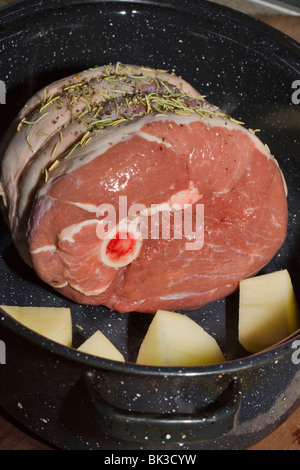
(242, 67)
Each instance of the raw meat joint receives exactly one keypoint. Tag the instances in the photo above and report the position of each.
(131, 133)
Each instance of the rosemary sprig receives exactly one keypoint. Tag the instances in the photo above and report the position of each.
(24, 121)
(36, 120)
(29, 144)
(46, 175)
(54, 165)
(54, 150)
(86, 101)
(74, 86)
(72, 150)
(50, 101)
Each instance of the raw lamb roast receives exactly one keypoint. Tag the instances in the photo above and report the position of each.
(125, 137)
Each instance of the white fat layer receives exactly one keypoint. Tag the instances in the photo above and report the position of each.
(92, 208)
(183, 295)
(50, 248)
(151, 138)
(60, 286)
(67, 234)
(90, 293)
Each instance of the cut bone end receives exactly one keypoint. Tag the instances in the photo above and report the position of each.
(120, 249)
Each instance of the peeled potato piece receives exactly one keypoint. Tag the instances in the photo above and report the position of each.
(268, 310)
(53, 322)
(174, 339)
(99, 345)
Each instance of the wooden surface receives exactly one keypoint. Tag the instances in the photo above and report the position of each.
(286, 436)
(14, 437)
(290, 25)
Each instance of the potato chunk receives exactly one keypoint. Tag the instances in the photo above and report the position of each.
(267, 310)
(174, 339)
(99, 345)
(53, 322)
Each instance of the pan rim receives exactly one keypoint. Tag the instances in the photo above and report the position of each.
(192, 7)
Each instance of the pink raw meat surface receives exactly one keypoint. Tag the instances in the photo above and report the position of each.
(169, 162)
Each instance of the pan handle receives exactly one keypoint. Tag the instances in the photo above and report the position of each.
(216, 420)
